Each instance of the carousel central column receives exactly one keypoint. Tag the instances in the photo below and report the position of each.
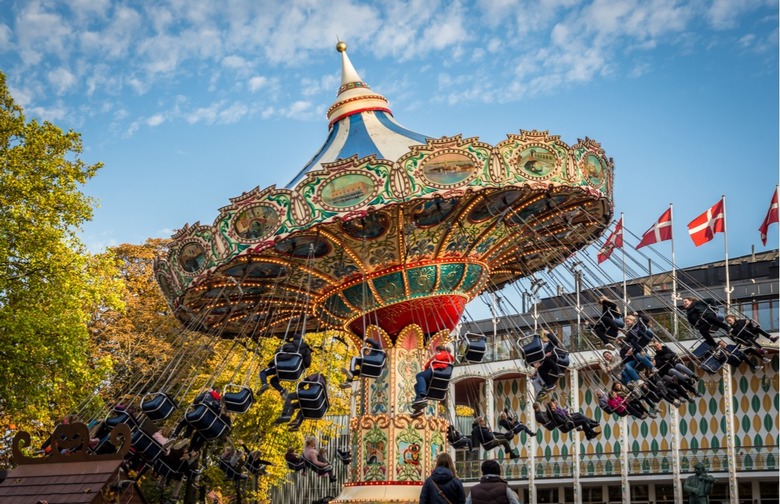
(394, 453)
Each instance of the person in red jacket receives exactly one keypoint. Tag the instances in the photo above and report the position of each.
(440, 360)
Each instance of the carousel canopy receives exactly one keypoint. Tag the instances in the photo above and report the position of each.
(387, 227)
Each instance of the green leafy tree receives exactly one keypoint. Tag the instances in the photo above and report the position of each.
(49, 284)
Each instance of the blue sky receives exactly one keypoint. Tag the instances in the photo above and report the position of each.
(190, 102)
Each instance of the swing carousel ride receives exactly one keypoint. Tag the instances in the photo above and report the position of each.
(387, 234)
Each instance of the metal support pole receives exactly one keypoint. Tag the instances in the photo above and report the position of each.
(574, 403)
(626, 487)
(529, 413)
(728, 403)
(675, 431)
(490, 408)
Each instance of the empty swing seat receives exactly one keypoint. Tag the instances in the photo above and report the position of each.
(344, 456)
(373, 362)
(440, 381)
(714, 362)
(145, 445)
(206, 421)
(239, 401)
(312, 399)
(158, 406)
(533, 351)
(289, 366)
(230, 472)
(476, 346)
(166, 471)
(702, 350)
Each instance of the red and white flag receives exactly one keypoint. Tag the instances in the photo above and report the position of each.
(614, 241)
(771, 217)
(703, 228)
(660, 231)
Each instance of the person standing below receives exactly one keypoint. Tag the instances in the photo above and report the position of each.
(443, 486)
(699, 485)
(440, 360)
(491, 489)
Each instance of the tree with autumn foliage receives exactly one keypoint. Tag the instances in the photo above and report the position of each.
(49, 284)
(152, 352)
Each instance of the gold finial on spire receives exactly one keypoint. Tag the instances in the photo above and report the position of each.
(341, 46)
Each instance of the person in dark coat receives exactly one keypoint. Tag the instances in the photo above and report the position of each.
(746, 332)
(294, 345)
(483, 436)
(511, 423)
(609, 323)
(291, 403)
(703, 317)
(443, 486)
(491, 489)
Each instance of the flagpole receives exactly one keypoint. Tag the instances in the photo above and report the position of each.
(727, 382)
(726, 255)
(623, 248)
(674, 278)
(674, 426)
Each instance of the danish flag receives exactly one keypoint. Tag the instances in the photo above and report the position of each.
(660, 231)
(703, 228)
(771, 217)
(614, 241)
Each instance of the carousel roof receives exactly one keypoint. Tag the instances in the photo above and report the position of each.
(387, 227)
(360, 123)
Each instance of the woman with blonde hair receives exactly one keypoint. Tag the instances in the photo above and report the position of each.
(443, 486)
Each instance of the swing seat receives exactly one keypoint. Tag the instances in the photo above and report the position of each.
(533, 351)
(122, 417)
(344, 456)
(230, 472)
(476, 346)
(144, 444)
(158, 406)
(714, 362)
(561, 357)
(440, 382)
(461, 443)
(702, 350)
(321, 471)
(297, 465)
(373, 362)
(239, 401)
(166, 471)
(564, 427)
(312, 399)
(289, 366)
(206, 421)
(256, 465)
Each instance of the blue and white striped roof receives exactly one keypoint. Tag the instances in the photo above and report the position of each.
(360, 124)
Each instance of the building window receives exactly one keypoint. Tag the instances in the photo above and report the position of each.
(769, 492)
(592, 495)
(664, 494)
(767, 314)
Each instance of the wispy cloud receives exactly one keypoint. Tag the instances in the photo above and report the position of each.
(99, 50)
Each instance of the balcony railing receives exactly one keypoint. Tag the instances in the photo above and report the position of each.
(609, 464)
